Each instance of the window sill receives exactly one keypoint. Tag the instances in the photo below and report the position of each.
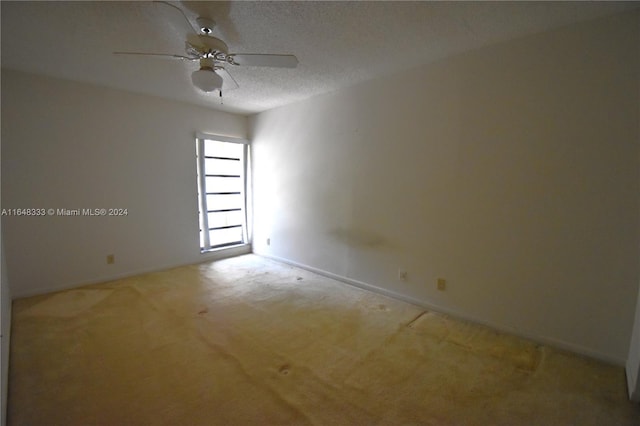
(228, 250)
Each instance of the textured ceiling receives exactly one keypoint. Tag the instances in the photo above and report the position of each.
(338, 44)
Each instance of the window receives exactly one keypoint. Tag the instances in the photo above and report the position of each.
(222, 191)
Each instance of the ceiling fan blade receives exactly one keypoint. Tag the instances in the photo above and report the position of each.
(228, 82)
(160, 55)
(166, 3)
(259, 60)
(192, 50)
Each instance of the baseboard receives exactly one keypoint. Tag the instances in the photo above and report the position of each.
(205, 257)
(548, 341)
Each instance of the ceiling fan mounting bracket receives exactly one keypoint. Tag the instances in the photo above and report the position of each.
(205, 25)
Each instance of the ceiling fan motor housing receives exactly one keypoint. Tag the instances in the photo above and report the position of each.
(206, 45)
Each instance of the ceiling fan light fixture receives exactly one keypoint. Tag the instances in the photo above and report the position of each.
(206, 80)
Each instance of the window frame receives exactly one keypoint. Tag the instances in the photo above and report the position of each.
(203, 219)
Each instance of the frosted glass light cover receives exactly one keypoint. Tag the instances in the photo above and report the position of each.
(206, 80)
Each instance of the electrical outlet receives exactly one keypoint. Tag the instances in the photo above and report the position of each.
(442, 284)
(111, 259)
(402, 274)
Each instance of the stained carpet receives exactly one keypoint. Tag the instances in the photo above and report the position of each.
(248, 341)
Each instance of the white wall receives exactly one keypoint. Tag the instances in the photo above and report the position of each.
(633, 360)
(5, 329)
(71, 145)
(510, 171)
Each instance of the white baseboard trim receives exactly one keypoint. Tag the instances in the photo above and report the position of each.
(205, 257)
(548, 341)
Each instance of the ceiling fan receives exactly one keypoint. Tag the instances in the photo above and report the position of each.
(213, 55)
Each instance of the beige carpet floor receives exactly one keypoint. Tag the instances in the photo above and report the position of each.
(248, 341)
